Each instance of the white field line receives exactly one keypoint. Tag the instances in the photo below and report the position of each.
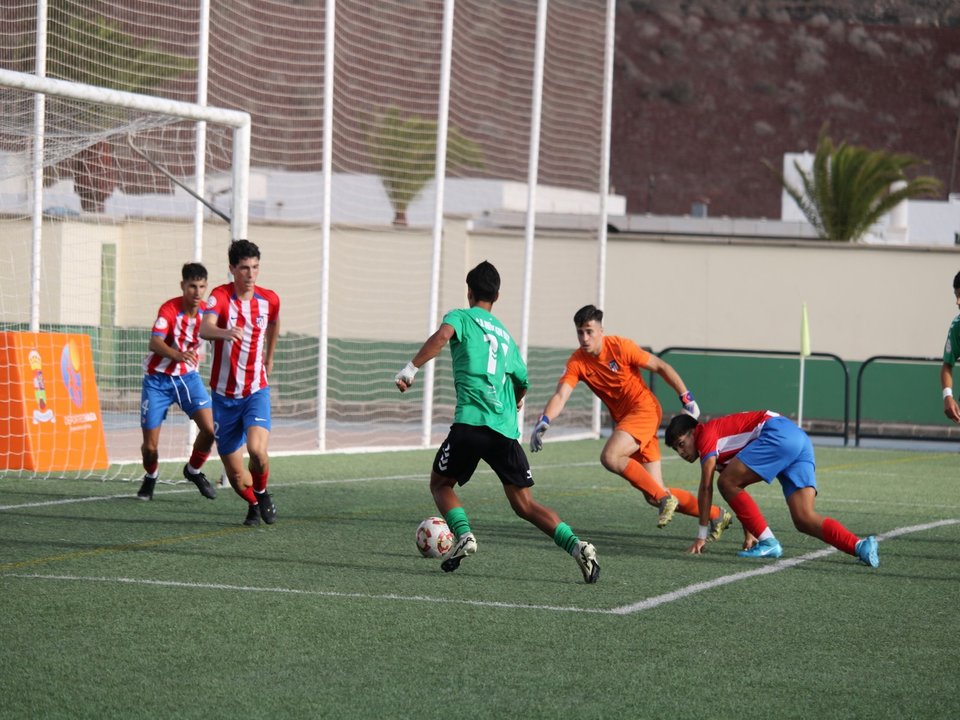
(312, 593)
(633, 608)
(774, 500)
(778, 566)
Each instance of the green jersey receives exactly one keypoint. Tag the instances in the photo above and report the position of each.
(951, 350)
(487, 371)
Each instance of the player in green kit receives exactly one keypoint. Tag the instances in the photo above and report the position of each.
(951, 351)
(490, 378)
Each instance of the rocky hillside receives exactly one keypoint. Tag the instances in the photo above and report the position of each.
(707, 92)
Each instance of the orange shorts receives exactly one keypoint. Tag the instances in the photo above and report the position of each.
(642, 424)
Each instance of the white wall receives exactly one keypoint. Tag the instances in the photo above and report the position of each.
(934, 223)
(296, 197)
(862, 300)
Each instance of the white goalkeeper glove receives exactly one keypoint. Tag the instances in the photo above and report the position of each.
(536, 439)
(404, 378)
(690, 406)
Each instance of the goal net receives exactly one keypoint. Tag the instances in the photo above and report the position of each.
(388, 80)
(98, 211)
(364, 269)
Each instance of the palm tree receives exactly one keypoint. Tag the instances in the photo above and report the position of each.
(404, 154)
(850, 187)
(88, 48)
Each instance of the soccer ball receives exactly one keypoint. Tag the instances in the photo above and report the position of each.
(434, 538)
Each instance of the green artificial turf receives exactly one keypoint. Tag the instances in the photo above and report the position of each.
(114, 607)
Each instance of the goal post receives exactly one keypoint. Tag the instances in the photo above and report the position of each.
(79, 289)
(365, 238)
(236, 119)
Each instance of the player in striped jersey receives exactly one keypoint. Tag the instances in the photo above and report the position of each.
(170, 376)
(243, 321)
(750, 447)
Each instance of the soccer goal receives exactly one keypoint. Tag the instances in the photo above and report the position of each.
(104, 195)
(365, 237)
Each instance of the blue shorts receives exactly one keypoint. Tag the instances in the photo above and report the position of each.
(232, 417)
(782, 451)
(158, 392)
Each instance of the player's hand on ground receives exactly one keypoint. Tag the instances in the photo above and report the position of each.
(690, 406)
(404, 378)
(950, 409)
(536, 439)
(698, 547)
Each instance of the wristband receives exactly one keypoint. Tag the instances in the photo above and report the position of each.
(702, 531)
(947, 392)
(543, 418)
(410, 370)
(686, 398)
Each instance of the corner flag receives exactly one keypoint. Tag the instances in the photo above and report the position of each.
(804, 351)
(804, 333)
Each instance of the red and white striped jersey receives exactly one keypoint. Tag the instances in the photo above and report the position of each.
(179, 331)
(725, 436)
(238, 369)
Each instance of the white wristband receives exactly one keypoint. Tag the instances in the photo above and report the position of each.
(702, 531)
(947, 392)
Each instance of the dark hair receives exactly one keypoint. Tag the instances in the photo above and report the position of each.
(678, 425)
(956, 281)
(586, 314)
(193, 271)
(241, 249)
(484, 281)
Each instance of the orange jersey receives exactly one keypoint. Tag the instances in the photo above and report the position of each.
(614, 376)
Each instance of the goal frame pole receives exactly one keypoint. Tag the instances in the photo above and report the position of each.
(237, 119)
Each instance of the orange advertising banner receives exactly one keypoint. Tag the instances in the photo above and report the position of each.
(49, 406)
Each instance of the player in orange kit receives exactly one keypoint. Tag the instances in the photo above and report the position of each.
(611, 367)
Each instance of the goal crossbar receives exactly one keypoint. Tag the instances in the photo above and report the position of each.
(236, 119)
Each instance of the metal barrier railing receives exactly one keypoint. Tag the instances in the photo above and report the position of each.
(858, 431)
(844, 433)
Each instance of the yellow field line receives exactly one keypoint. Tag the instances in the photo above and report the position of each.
(120, 548)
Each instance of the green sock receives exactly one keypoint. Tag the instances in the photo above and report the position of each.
(457, 521)
(563, 536)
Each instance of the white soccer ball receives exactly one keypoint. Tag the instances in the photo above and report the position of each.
(434, 538)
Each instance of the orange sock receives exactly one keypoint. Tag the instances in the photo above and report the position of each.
(638, 476)
(688, 502)
(689, 505)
